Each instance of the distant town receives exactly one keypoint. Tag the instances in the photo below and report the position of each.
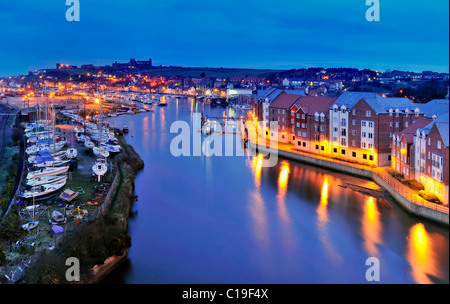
(142, 75)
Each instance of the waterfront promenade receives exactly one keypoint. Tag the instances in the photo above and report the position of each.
(405, 196)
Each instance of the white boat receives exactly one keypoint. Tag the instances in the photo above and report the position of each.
(100, 168)
(51, 163)
(57, 155)
(46, 180)
(113, 148)
(101, 151)
(43, 190)
(50, 147)
(47, 171)
(57, 218)
(30, 225)
(89, 144)
(71, 153)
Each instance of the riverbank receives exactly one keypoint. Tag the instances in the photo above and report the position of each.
(422, 211)
(117, 205)
(99, 242)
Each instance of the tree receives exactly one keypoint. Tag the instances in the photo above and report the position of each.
(3, 259)
(11, 229)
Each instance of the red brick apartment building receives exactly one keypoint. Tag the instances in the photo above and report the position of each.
(280, 111)
(309, 121)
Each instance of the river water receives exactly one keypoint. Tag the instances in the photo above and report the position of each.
(231, 220)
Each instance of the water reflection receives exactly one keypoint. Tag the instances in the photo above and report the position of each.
(322, 217)
(371, 227)
(322, 209)
(420, 255)
(257, 205)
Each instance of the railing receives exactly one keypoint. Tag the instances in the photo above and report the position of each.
(408, 193)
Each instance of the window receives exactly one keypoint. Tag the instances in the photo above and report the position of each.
(299, 133)
(304, 134)
(354, 132)
(343, 152)
(343, 142)
(322, 128)
(364, 156)
(363, 144)
(304, 144)
(354, 122)
(363, 123)
(335, 150)
(344, 132)
(284, 111)
(343, 122)
(303, 116)
(354, 154)
(406, 124)
(354, 112)
(298, 115)
(370, 124)
(368, 113)
(299, 143)
(279, 111)
(371, 157)
(303, 125)
(317, 147)
(322, 148)
(317, 118)
(370, 146)
(370, 135)
(298, 125)
(390, 124)
(354, 143)
(439, 144)
(322, 118)
(396, 124)
(429, 141)
(363, 134)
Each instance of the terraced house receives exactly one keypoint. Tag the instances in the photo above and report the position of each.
(309, 121)
(432, 157)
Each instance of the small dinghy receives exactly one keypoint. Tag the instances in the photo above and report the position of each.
(100, 168)
(68, 195)
(57, 218)
(30, 225)
(56, 229)
(71, 153)
(89, 144)
(101, 152)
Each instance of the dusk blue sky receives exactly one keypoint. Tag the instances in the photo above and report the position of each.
(412, 35)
